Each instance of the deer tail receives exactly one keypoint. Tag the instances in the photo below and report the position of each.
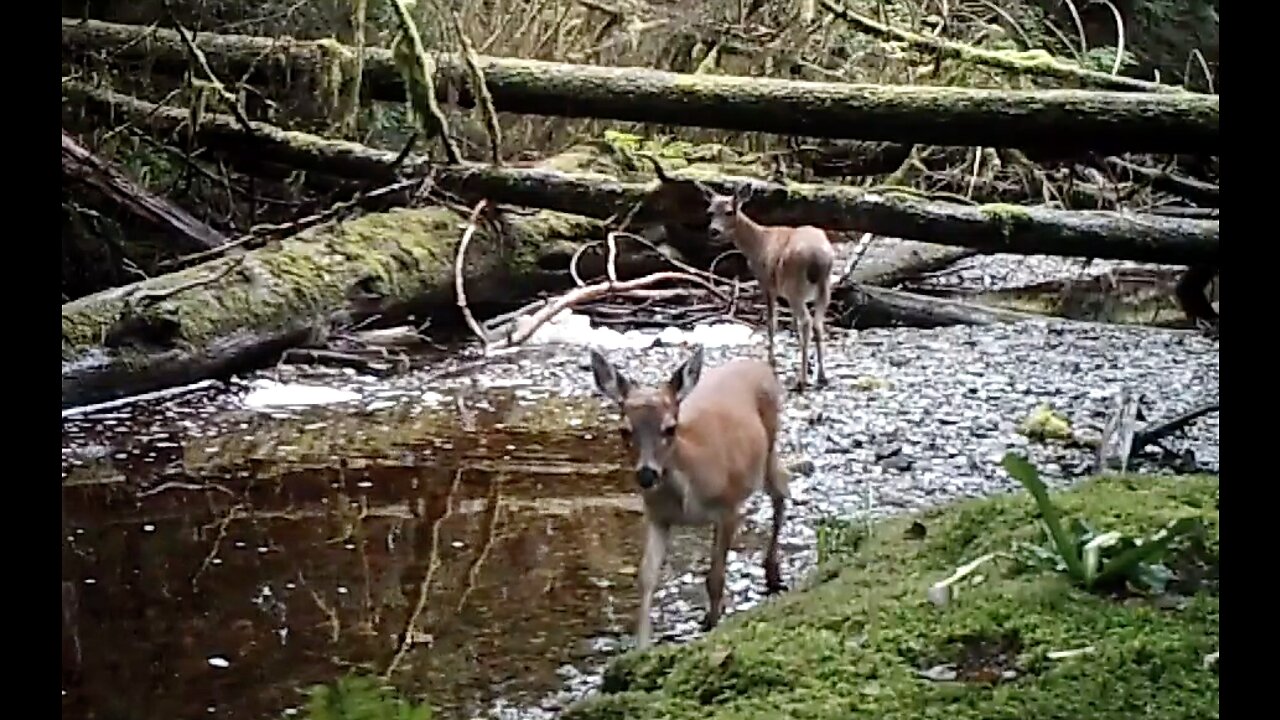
(814, 272)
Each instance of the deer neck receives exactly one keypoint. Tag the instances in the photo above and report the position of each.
(752, 241)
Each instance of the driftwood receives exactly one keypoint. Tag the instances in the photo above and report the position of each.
(1155, 433)
(1121, 437)
(1103, 121)
(83, 167)
(887, 212)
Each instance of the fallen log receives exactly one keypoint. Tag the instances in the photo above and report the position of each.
(236, 312)
(1103, 121)
(908, 261)
(83, 167)
(887, 211)
(863, 306)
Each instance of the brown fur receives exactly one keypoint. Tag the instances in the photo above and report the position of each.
(793, 263)
(711, 440)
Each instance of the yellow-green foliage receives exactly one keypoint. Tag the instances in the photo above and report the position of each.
(1045, 424)
(853, 645)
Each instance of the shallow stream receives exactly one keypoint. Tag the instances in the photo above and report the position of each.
(469, 522)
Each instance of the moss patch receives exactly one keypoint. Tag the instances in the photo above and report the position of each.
(856, 644)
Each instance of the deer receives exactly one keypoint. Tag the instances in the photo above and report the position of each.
(700, 444)
(793, 263)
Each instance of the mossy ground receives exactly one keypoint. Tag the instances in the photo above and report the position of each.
(851, 643)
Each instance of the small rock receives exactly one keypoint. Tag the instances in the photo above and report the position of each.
(887, 451)
(803, 468)
(939, 673)
(901, 463)
(916, 531)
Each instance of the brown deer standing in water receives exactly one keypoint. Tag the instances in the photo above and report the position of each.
(793, 263)
(701, 444)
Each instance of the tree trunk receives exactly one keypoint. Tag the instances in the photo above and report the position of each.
(235, 312)
(81, 166)
(987, 228)
(1103, 121)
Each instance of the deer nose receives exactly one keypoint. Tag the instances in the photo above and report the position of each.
(647, 477)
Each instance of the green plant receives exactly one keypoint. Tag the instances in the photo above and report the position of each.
(361, 697)
(1098, 560)
(839, 538)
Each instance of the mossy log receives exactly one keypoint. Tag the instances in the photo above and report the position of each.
(235, 312)
(1103, 121)
(887, 212)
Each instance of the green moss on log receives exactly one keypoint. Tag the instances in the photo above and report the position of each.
(854, 644)
(1103, 121)
(216, 315)
(600, 193)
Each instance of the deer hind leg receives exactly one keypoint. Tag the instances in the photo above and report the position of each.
(776, 487)
(724, 532)
(820, 303)
(657, 538)
(804, 328)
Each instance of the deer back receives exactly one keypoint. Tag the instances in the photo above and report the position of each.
(728, 427)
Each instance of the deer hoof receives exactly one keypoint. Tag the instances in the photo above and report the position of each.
(822, 381)
(709, 622)
(774, 587)
(799, 387)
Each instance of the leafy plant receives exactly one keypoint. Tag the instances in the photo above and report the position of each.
(839, 538)
(361, 697)
(1092, 559)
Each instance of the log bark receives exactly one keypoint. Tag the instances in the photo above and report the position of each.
(1103, 121)
(83, 167)
(863, 306)
(987, 228)
(236, 312)
(906, 261)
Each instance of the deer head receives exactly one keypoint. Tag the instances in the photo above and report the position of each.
(650, 413)
(723, 210)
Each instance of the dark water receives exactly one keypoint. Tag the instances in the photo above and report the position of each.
(218, 560)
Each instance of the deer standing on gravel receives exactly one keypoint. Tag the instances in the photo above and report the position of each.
(793, 263)
(701, 444)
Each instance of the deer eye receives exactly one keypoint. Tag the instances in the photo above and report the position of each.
(669, 431)
(624, 432)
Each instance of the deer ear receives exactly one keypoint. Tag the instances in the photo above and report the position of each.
(611, 383)
(742, 194)
(707, 193)
(686, 376)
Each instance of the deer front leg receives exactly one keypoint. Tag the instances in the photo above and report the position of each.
(771, 324)
(715, 578)
(657, 537)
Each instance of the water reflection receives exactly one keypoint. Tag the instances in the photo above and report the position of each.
(214, 566)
